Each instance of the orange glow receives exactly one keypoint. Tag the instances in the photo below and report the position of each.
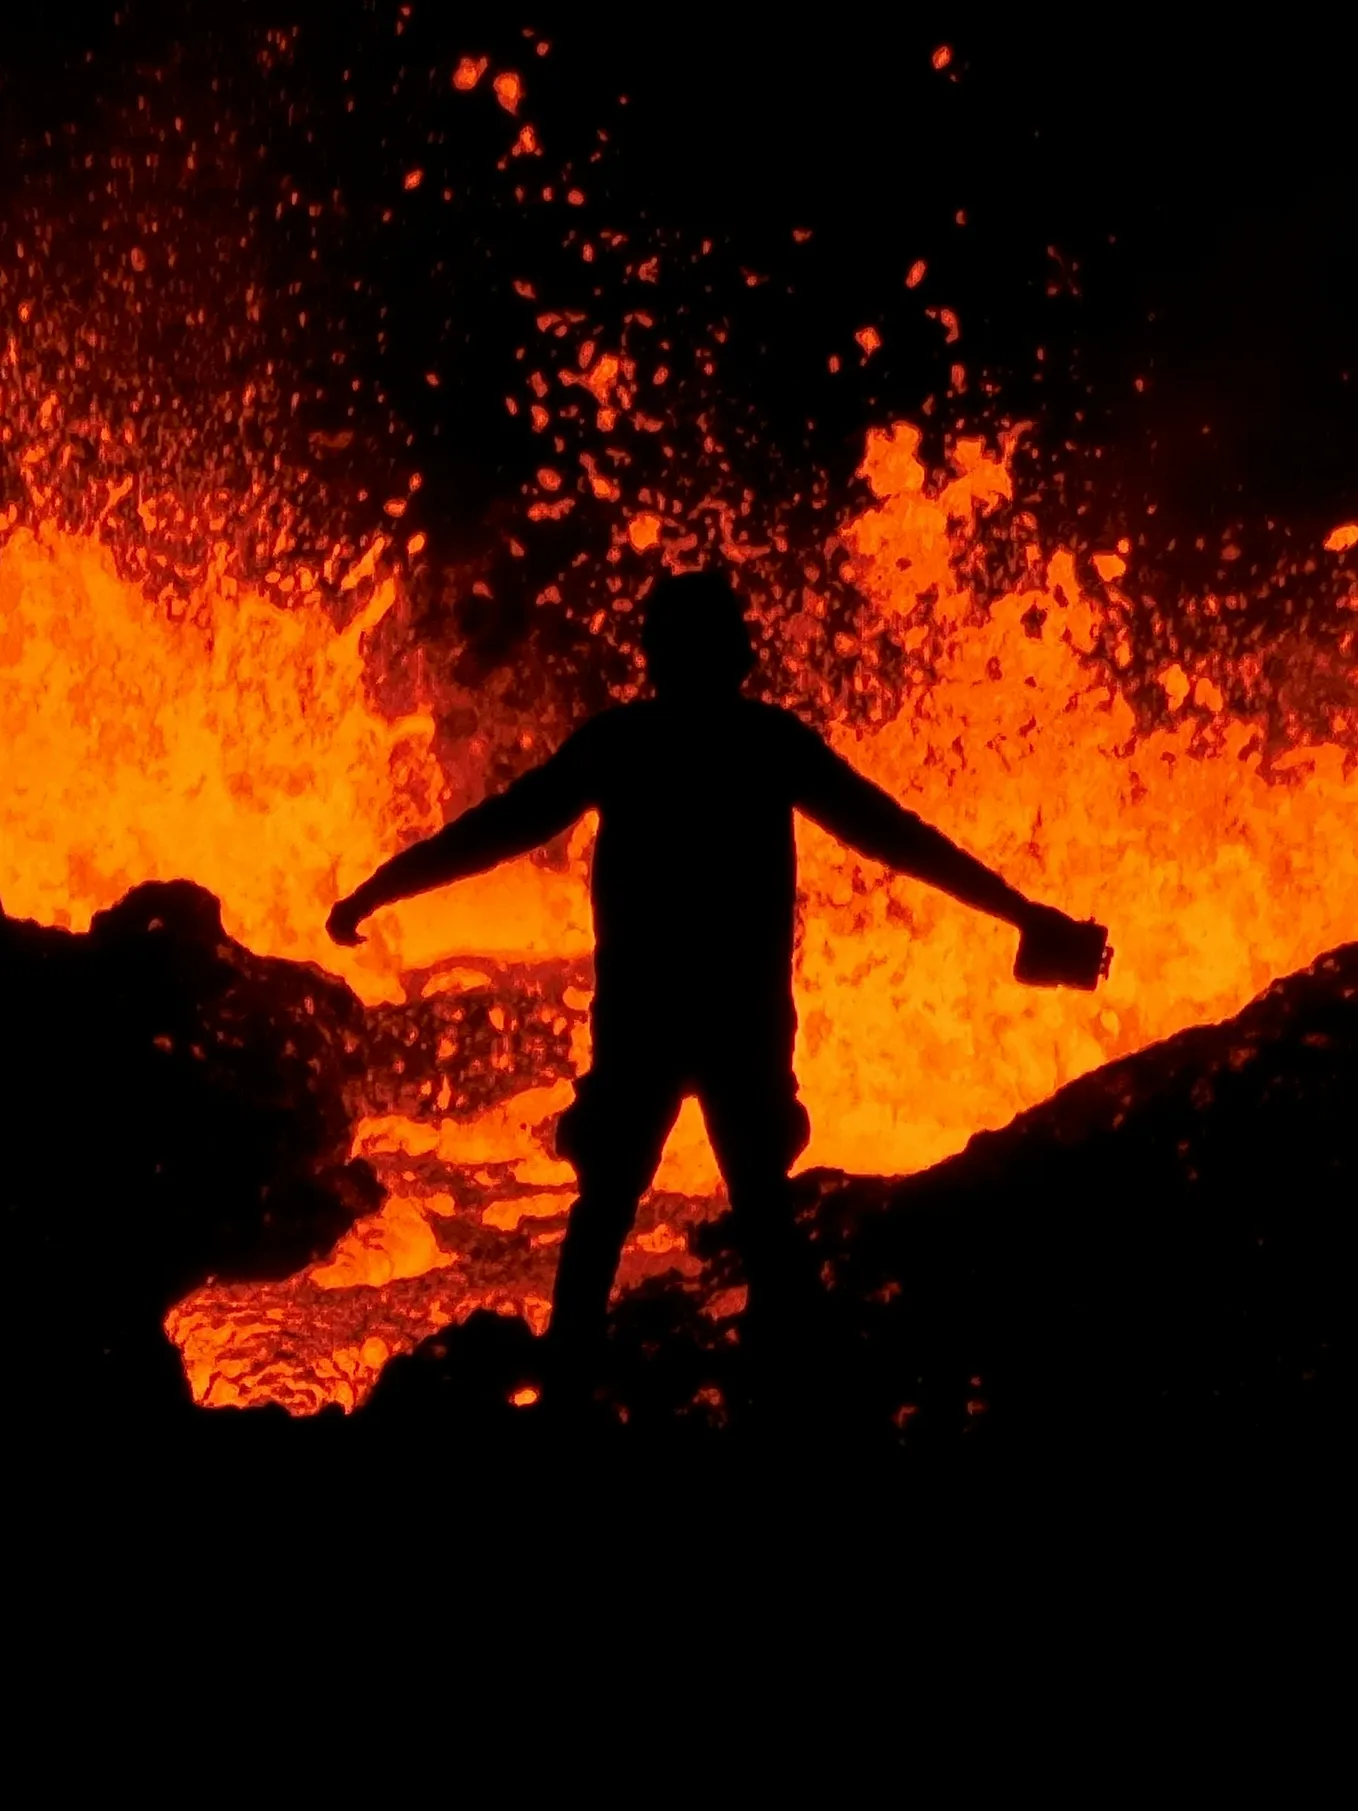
(942, 56)
(916, 274)
(469, 72)
(643, 531)
(1342, 538)
(913, 1033)
(869, 339)
(508, 90)
(238, 746)
(235, 748)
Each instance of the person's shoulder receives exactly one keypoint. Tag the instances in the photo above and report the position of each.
(616, 722)
(611, 721)
(776, 724)
(610, 729)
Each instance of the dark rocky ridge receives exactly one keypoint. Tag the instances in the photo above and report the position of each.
(175, 1109)
(1159, 1249)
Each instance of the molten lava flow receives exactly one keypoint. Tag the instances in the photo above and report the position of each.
(234, 747)
(238, 747)
(1214, 880)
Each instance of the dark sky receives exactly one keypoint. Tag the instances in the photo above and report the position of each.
(1143, 200)
(1223, 162)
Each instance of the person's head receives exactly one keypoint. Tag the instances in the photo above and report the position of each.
(694, 636)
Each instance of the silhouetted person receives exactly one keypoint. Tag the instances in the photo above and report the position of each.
(693, 892)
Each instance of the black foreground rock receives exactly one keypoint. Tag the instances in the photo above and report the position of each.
(174, 1109)
(1159, 1252)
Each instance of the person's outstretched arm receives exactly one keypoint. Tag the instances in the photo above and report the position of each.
(838, 798)
(531, 811)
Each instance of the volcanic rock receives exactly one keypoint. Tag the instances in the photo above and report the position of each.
(1162, 1245)
(175, 1109)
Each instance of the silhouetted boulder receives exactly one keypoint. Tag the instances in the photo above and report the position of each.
(175, 1110)
(1164, 1243)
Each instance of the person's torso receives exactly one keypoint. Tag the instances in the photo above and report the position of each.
(694, 879)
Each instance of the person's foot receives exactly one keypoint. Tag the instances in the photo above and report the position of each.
(567, 1380)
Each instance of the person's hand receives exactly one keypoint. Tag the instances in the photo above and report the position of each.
(1056, 950)
(344, 921)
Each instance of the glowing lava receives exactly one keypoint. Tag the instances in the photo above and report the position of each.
(238, 747)
(235, 747)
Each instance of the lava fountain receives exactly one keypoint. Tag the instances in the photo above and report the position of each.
(238, 745)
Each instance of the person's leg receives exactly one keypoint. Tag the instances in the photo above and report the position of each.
(758, 1127)
(613, 1134)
